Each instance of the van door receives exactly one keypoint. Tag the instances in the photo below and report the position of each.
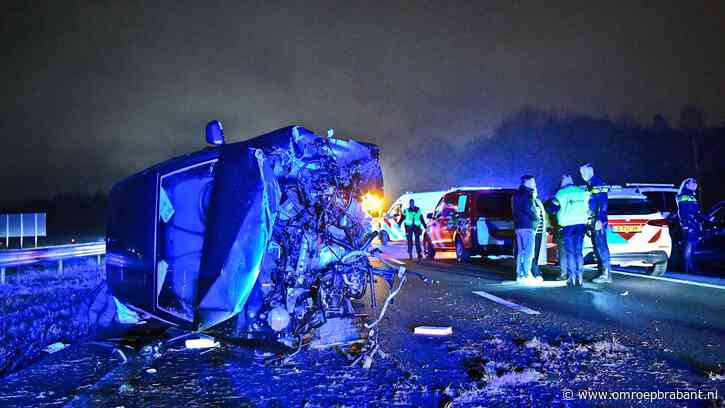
(444, 222)
(494, 221)
(390, 222)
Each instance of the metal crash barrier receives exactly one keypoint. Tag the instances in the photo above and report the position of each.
(19, 257)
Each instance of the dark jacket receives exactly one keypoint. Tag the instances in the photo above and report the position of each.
(599, 199)
(688, 209)
(522, 205)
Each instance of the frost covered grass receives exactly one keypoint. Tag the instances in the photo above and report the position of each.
(40, 306)
(503, 364)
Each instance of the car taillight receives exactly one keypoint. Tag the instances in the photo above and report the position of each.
(658, 223)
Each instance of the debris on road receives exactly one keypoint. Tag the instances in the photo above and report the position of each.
(625, 293)
(200, 343)
(55, 347)
(151, 371)
(433, 330)
(120, 353)
(126, 389)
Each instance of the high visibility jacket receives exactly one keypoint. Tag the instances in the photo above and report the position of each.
(688, 209)
(573, 206)
(412, 216)
(598, 200)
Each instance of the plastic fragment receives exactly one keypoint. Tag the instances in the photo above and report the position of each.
(200, 343)
(433, 330)
(55, 347)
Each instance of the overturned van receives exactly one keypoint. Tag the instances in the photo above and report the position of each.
(270, 227)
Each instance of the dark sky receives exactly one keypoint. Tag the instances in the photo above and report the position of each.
(96, 90)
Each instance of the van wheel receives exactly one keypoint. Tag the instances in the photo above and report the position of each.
(659, 269)
(428, 249)
(462, 254)
(384, 238)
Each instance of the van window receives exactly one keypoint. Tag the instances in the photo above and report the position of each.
(439, 208)
(662, 200)
(630, 206)
(395, 211)
(447, 206)
(462, 199)
(494, 205)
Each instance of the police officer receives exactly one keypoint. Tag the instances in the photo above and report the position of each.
(571, 205)
(688, 210)
(414, 226)
(597, 228)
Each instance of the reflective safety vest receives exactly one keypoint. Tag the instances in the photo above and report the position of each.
(688, 210)
(412, 217)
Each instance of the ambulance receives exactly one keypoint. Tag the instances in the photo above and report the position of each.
(387, 225)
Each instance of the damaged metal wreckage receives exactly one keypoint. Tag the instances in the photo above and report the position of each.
(269, 230)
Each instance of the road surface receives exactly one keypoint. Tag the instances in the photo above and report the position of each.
(511, 346)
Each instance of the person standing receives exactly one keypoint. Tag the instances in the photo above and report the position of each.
(598, 223)
(571, 205)
(414, 226)
(688, 211)
(525, 220)
(540, 255)
(551, 209)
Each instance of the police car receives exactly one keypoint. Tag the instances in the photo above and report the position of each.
(662, 196)
(388, 228)
(638, 234)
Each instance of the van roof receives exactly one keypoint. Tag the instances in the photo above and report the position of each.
(474, 188)
(622, 192)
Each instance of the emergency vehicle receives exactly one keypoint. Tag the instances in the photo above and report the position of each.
(387, 226)
(638, 234)
(471, 221)
(662, 196)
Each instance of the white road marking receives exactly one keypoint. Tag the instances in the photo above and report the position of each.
(395, 261)
(662, 278)
(506, 303)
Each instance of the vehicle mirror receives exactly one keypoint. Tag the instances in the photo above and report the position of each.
(214, 133)
(429, 216)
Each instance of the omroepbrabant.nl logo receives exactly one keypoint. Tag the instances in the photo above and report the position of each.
(675, 395)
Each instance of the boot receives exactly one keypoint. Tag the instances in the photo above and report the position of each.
(605, 277)
(579, 281)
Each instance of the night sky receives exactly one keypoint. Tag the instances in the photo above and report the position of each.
(94, 91)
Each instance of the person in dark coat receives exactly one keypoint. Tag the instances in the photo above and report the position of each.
(525, 221)
(599, 222)
(688, 211)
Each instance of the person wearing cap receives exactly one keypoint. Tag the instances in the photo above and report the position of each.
(688, 211)
(412, 217)
(598, 221)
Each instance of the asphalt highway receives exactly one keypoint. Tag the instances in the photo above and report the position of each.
(564, 339)
(687, 316)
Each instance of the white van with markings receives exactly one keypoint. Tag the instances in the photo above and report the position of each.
(387, 226)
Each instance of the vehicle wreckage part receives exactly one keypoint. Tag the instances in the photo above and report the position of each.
(270, 230)
(433, 330)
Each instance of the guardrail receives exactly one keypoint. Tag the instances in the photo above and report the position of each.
(27, 256)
